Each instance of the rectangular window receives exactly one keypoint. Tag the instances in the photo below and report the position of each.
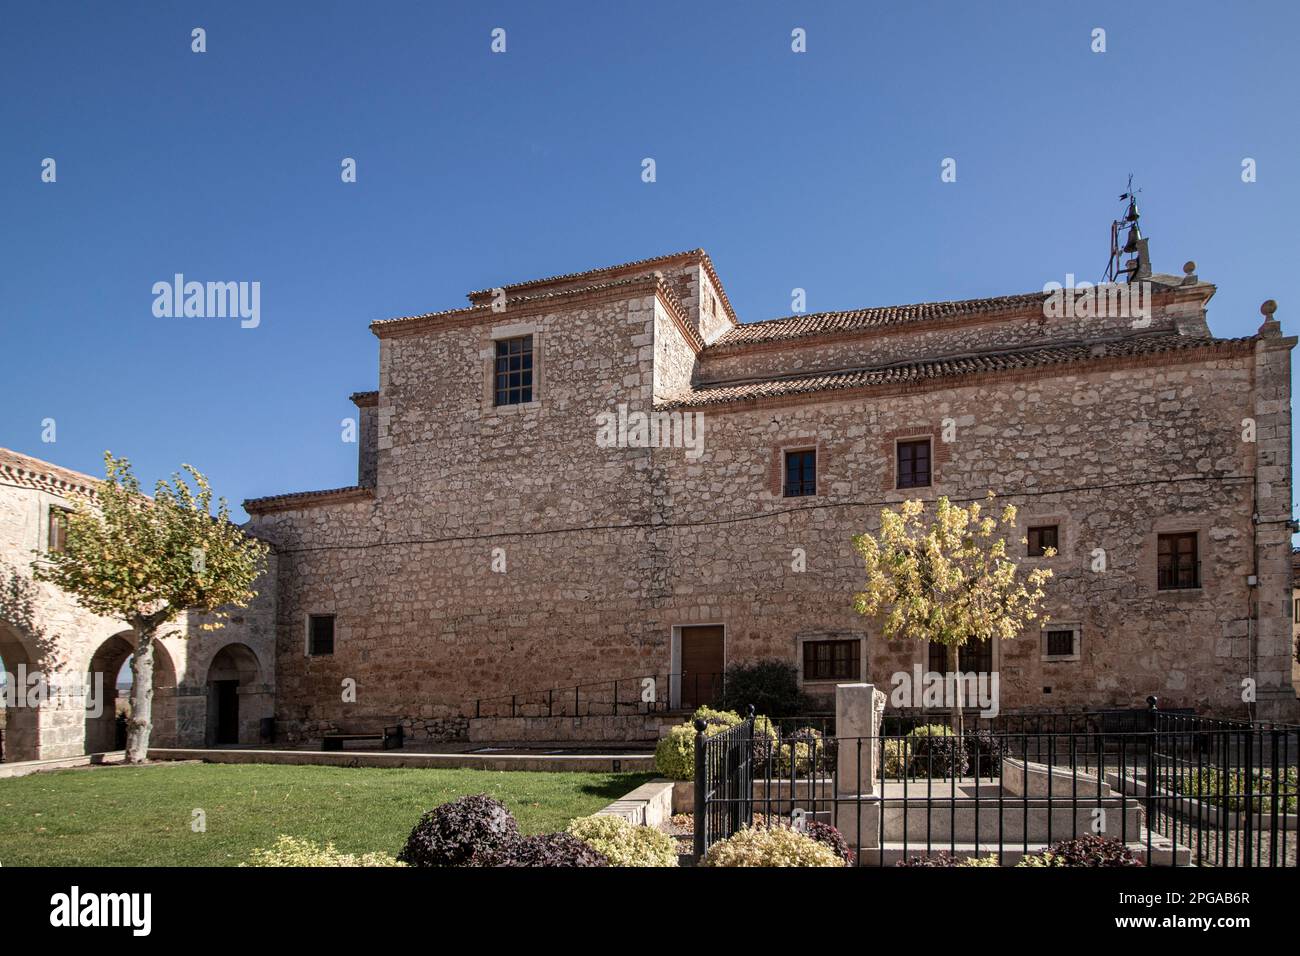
(800, 473)
(1296, 604)
(320, 635)
(973, 656)
(1041, 538)
(914, 463)
(514, 371)
(58, 529)
(1178, 564)
(831, 660)
(1060, 643)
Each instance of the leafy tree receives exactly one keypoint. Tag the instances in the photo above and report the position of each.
(947, 578)
(145, 561)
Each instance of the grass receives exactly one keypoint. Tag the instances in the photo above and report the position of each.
(141, 816)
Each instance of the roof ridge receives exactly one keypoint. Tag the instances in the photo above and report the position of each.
(570, 276)
(1040, 356)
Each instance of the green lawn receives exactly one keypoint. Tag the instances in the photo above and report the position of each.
(141, 816)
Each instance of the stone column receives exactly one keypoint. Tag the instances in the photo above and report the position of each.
(858, 710)
(1275, 694)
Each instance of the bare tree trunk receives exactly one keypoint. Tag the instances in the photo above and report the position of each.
(141, 722)
(954, 668)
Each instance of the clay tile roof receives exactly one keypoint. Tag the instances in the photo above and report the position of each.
(362, 399)
(307, 499)
(977, 363)
(573, 276)
(20, 469)
(826, 323)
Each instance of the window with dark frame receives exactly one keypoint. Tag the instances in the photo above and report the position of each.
(914, 463)
(1041, 537)
(1296, 604)
(831, 660)
(1178, 565)
(320, 635)
(976, 656)
(800, 473)
(514, 371)
(57, 541)
(1060, 643)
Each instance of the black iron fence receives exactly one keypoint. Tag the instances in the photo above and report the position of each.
(1175, 788)
(623, 696)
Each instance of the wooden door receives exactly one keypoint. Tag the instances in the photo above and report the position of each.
(703, 661)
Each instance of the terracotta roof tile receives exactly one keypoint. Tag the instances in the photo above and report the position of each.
(976, 363)
(307, 499)
(34, 472)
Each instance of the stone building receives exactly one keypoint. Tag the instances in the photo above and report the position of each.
(209, 686)
(515, 529)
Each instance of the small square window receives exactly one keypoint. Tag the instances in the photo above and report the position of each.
(1041, 538)
(320, 635)
(513, 379)
(1178, 563)
(831, 660)
(1061, 643)
(800, 474)
(914, 463)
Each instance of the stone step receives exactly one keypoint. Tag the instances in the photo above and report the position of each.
(1163, 852)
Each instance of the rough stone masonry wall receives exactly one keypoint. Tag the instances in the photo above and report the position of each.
(607, 550)
(1112, 457)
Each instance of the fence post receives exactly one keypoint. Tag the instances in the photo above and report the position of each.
(1152, 701)
(700, 792)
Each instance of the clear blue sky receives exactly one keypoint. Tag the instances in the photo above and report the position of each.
(818, 170)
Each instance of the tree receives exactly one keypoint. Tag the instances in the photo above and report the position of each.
(947, 580)
(145, 561)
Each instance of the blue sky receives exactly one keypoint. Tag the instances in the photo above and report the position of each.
(817, 170)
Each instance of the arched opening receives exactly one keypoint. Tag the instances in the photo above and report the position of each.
(110, 682)
(19, 724)
(234, 696)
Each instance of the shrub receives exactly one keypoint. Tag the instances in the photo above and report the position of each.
(294, 851)
(624, 843)
(550, 850)
(803, 748)
(988, 748)
(1230, 790)
(827, 835)
(465, 832)
(1084, 851)
(675, 752)
(929, 750)
(779, 846)
(771, 687)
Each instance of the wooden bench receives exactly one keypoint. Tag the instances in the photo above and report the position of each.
(391, 739)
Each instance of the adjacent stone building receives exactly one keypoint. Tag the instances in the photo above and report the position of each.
(209, 686)
(515, 530)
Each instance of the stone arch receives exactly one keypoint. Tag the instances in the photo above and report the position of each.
(238, 698)
(105, 664)
(20, 739)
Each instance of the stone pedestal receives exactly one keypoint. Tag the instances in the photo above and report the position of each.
(858, 710)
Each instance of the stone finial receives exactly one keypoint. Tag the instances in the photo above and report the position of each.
(1271, 327)
(1189, 272)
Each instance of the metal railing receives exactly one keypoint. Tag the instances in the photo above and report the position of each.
(1174, 788)
(623, 696)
